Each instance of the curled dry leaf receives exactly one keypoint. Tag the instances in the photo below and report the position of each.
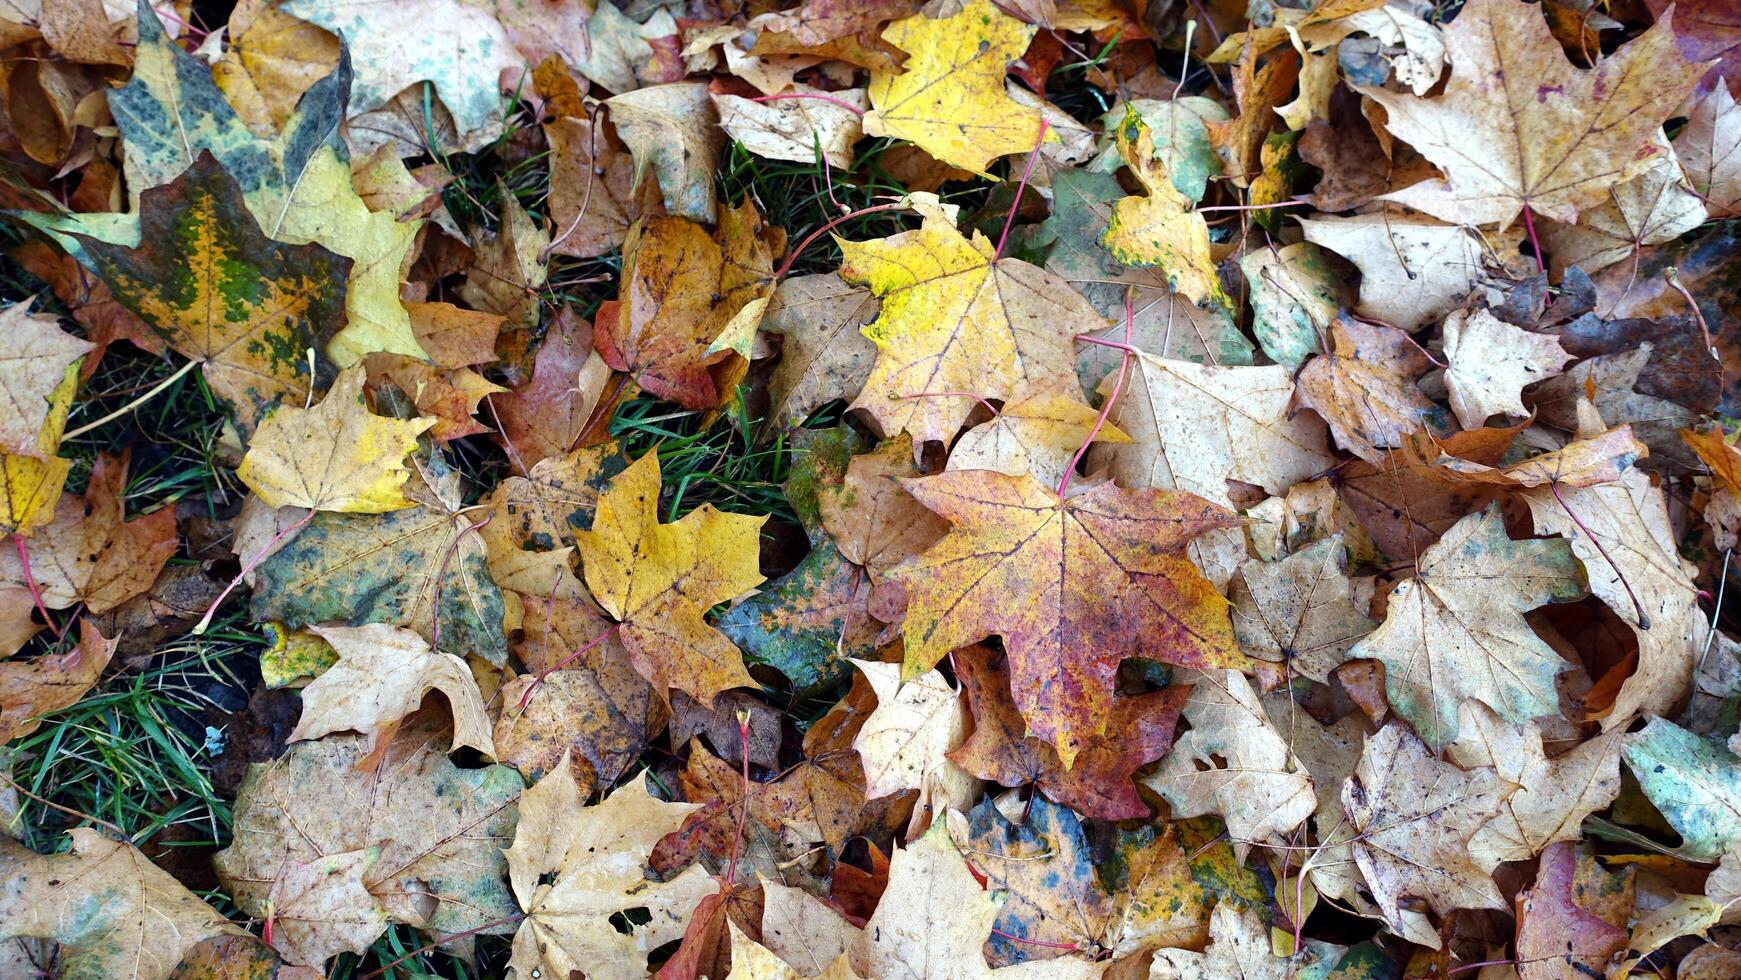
(381, 676)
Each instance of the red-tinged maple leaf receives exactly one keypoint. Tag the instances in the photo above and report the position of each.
(1100, 784)
(1074, 585)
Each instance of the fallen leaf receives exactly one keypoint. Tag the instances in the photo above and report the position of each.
(1233, 763)
(1573, 918)
(1013, 536)
(1412, 816)
(949, 96)
(823, 354)
(507, 269)
(1099, 784)
(381, 676)
(956, 317)
(1556, 149)
(1240, 947)
(1160, 228)
(906, 742)
(439, 830)
(1364, 388)
(1651, 208)
(1412, 271)
(545, 416)
(1490, 363)
(113, 912)
(808, 623)
(796, 128)
(335, 456)
(1295, 296)
(41, 357)
(248, 308)
(1037, 432)
(392, 52)
(681, 288)
(657, 580)
(46, 684)
(1298, 611)
(574, 867)
(671, 133)
(871, 516)
(933, 918)
(1709, 147)
(593, 195)
(1693, 782)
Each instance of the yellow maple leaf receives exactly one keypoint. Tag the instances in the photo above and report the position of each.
(1160, 229)
(955, 318)
(658, 580)
(949, 98)
(335, 456)
(30, 485)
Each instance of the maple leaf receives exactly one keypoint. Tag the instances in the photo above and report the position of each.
(335, 456)
(753, 961)
(1412, 271)
(1298, 611)
(671, 132)
(546, 415)
(88, 553)
(1694, 783)
(246, 307)
(1295, 296)
(595, 707)
(39, 360)
(802, 930)
(113, 912)
(1455, 631)
(681, 287)
(1412, 817)
(1240, 948)
(812, 620)
(1233, 763)
(1013, 536)
(1653, 207)
(906, 742)
(949, 96)
(439, 831)
(1196, 426)
(796, 129)
(1637, 557)
(1160, 229)
(1037, 432)
(1552, 797)
(658, 580)
(533, 518)
(823, 351)
(1099, 783)
(463, 64)
(1364, 388)
(871, 517)
(381, 676)
(574, 866)
(105, 321)
(1573, 918)
(43, 685)
(422, 568)
(593, 197)
(1709, 147)
(1519, 127)
(956, 317)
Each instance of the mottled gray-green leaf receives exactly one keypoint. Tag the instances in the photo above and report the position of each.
(440, 829)
(1694, 782)
(1295, 296)
(396, 568)
(1181, 140)
(810, 621)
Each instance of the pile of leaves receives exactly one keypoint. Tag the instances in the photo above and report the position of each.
(1065, 488)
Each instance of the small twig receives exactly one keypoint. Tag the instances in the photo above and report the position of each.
(1025, 941)
(69, 811)
(1291, 202)
(1674, 279)
(1021, 188)
(731, 869)
(248, 566)
(135, 403)
(1637, 607)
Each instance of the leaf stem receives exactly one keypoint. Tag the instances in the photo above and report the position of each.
(1117, 389)
(1021, 188)
(818, 96)
(538, 681)
(861, 212)
(419, 951)
(250, 565)
(30, 582)
(1534, 242)
(1637, 607)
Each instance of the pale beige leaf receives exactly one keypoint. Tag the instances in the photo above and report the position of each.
(1412, 270)
(1654, 207)
(1298, 611)
(1240, 947)
(38, 355)
(1412, 817)
(382, 675)
(795, 129)
(1233, 763)
(906, 741)
(823, 355)
(802, 931)
(671, 132)
(1490, 363)
(1709, 146)
(1037, 432)
(573, 867)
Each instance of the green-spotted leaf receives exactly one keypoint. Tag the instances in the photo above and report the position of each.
(1181, 140)
(808, 623)
(1295, 296)
(397, 568)
(1694, 782)
(250, 309)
